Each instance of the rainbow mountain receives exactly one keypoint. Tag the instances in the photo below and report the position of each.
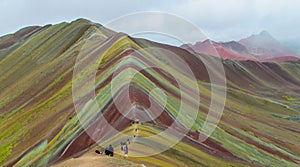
(41, 126)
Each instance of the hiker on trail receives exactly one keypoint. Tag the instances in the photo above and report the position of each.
(109, 150)
(122, 144)
(125, 149)
(128, 141)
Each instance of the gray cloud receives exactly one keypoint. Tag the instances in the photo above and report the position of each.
(220, 20)
(234, 19)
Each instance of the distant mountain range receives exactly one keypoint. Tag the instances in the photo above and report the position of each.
(261, 47)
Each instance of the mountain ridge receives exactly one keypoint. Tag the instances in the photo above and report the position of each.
(261, 47)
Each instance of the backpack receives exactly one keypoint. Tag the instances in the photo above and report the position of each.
(125, 148)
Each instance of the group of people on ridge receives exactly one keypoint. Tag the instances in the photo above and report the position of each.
(110, 150)
(124, 144)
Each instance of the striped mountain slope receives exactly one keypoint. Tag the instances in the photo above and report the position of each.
(43, 68)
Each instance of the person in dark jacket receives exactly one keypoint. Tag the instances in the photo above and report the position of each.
(128, 141)
(109, 150)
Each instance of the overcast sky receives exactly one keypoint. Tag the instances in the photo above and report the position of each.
(221, 20)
